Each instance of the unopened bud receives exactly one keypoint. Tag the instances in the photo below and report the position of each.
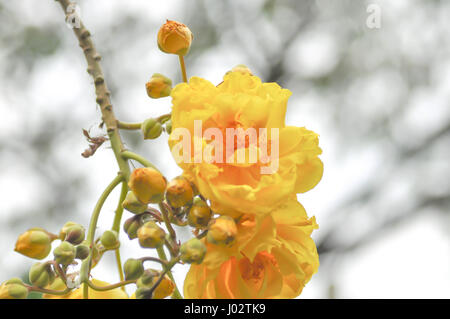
(174, 37)
(193, 251)
(148, 185)
(223, 231)
(64, 253)
(110, 239)
(169, 126)
(241, 68)
(35, 243)
(13, 289)
(148, 279)
(133, 269)
(158, 86)
(132, 204)
(82, 251)
(74, 234)
(179, 192)
(41, 275)
(151, 129)
(131, 227)
(199, 214)
(151, 235)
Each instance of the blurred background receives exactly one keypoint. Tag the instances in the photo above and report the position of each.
(378, 97)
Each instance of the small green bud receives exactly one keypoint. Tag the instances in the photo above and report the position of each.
(146, 279)
(13, 289)
(151, 235)
(14, 280)
(158, 86)
(169, 126)
(133, 269)
(151, 129)
(110, 239)
(199, 214)
(82, 251)
(35, 243)
(64, 253)
(41, 275)
(75, 234)
(131, 227)
(132, 204)
(193, 251)
(143, 293)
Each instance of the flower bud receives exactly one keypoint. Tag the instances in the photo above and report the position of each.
(133, 269)
(72, 232)
(151, 129)
(132, 204)
(179, 192)
(223, 231)
(13, 289)
(242, 69)
(64, 253)
(131, 227)
(148, 185)
(193, 251)
(199, 214)
(158, 86)
(82, 251)
(174, 37)
(41, 275)
(151, 235)
(169, 126)
(110, 239)
(35, 243)
(148, 279)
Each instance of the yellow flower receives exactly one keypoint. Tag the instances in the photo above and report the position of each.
(242, 101)
(273, 258)
(116, 293)
(35, 243)
(174, 37)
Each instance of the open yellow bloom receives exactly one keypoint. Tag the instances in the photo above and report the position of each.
(273, 258)
(242, 101)
(116, 293)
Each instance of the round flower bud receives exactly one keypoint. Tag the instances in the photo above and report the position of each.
(64, 253)
(133, 269)
(174, 37)
(82, 251)
(110, 239)
(148, 279)
(131, 227)
(223, 231)
(242, 69)
(151, 129)
(41, 275)
(148, 185)
(143, 293)
(132, 204)
(74, 233)
(158, 86)
(193, 251)
(151, 235)
(199, 214)
(179, 192)
(35, 243)
(13, 289)
(169, 126)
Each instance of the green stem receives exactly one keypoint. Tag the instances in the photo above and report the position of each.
(162, 255)
(49, 291)
(109, 287)
(116, 227)
(129, 126)
(139, 158)
(86, 265)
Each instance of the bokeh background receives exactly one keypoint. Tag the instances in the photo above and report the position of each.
(379, 98)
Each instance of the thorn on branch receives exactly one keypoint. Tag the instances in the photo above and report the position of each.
(96, 142)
